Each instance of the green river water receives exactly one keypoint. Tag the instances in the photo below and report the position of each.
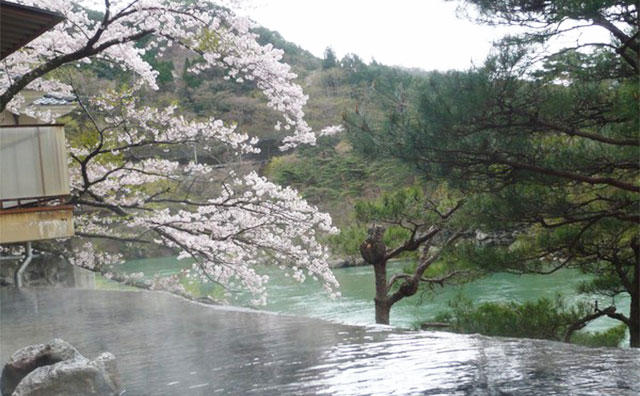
(357, 288)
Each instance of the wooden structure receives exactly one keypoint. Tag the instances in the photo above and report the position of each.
(34, 179)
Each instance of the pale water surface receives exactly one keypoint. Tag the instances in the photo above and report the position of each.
(168, 346)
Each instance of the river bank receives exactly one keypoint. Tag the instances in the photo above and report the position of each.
(355, 306)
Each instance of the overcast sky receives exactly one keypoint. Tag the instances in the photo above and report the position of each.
(414, 33)
(427, 34)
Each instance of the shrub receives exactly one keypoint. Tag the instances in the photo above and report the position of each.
(544, 318)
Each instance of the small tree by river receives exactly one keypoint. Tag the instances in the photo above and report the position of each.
(430, 226)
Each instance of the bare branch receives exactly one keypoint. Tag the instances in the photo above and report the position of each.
(440, 281)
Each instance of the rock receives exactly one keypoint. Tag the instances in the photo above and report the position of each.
(207, 300)
(29, 358)
(349, 261)
(59, 369)
(77, 377)
(434, 325)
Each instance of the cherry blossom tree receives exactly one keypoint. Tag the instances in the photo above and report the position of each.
(123, 197)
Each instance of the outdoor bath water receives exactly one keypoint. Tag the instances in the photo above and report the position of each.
(165, 345)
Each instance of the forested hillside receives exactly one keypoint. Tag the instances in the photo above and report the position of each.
(330, 174)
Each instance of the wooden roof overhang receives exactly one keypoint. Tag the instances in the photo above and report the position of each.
(21, 24)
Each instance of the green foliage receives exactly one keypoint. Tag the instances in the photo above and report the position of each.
(411, 205)
(332, 177)
(543, 319)
(353, 64)
(102, 283)
(406, 204)
(608, 338)
(330, 60)
(192, 80)
(165, 70)
(163, 67)
(547, 145)
(332, 80)
(604, 283)
(198, 289)
(350, 238)
(375, 77)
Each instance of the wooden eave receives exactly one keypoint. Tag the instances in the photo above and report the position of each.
(21, 24)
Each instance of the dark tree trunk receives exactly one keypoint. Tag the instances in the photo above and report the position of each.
(374, 252)
(383, 311)
(383, 307)
(634, 311)
(634, 321)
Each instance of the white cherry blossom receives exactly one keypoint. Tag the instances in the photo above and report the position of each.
(243, 222)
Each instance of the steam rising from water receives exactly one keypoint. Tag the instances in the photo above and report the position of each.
(167, 346)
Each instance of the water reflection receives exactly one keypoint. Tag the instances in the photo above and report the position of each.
(448, 364)
(167, 346)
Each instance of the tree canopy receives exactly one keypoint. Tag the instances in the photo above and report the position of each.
(548, 140)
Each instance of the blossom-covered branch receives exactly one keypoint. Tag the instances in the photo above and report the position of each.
(216, 35)
(123, 186)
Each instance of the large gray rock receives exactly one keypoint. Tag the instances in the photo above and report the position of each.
(29, 358)
(59, 369)
(77, 377)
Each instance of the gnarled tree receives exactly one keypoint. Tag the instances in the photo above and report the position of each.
(429, 226)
